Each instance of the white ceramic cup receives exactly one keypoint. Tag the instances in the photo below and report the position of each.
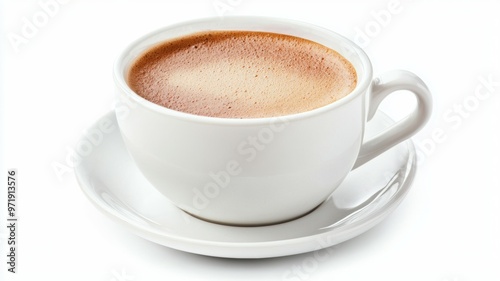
(264, 170)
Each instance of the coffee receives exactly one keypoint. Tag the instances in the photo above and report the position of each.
(241, 74)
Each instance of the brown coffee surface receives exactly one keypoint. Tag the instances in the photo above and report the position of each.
(241, 74)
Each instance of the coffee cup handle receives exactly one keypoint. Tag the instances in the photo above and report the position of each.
(380, 88)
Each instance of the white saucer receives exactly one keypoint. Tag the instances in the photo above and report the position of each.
(112, 182)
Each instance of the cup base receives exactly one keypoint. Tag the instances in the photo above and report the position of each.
(251, 224)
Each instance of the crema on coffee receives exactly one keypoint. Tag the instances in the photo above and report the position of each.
(241, 74)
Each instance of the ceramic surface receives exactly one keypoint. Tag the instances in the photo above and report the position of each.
(263, 170)
(113, 183)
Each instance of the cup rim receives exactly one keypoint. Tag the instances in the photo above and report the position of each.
(362, 84)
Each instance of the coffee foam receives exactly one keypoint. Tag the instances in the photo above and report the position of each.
(240, 74)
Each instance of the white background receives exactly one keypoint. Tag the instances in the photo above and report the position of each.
(57, 82)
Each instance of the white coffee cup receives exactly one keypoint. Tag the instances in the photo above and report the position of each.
(263, 170)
